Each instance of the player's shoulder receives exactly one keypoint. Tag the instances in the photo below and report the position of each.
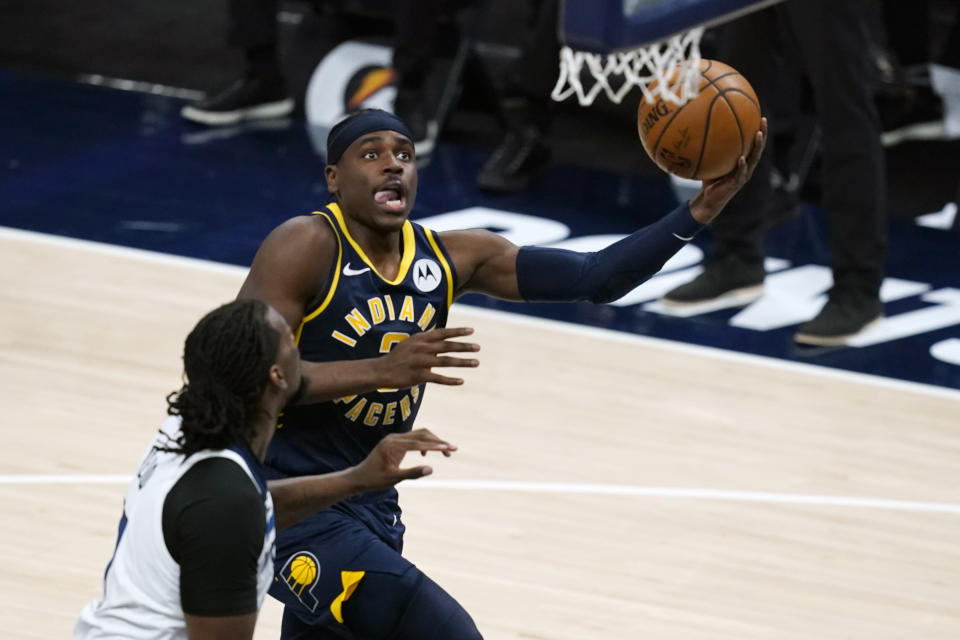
(213, 502)
(303, 236)
(220, 483)
(221, 474)
(311, 227)
(468, 236)
(292, 264)
(466, 242)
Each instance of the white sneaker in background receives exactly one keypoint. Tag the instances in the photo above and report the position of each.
(943, 219)
(946, 82)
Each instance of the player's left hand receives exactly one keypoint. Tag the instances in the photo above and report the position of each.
(381, 469)
(715, 194)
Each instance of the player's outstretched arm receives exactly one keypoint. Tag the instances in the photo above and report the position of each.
(290, 272)
(296, 498)
(487, 263)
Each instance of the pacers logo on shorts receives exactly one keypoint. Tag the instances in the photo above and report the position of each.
(300, 575)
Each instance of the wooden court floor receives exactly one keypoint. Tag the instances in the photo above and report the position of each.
(607, 486)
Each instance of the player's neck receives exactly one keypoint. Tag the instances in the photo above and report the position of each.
(262, 433)
(383, 248)
(265, 424)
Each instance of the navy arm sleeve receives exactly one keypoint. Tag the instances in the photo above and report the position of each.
(557, 275)
(214, 524)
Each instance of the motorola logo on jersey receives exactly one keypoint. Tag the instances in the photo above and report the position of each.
(300, 574)
(426, 274)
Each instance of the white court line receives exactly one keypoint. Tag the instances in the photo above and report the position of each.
(64, 479)
(520, 320)
(138, 86)
(569, 488)
(142, 255)
(696, 494)
(715, 353)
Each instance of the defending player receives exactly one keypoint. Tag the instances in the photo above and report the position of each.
(357, 279)
(195, 550)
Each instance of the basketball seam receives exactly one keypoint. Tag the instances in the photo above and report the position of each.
(713, 81)
(743, 93)
(706, 134)
(736, 116)
(666, 126)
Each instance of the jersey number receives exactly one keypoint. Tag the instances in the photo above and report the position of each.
(388, 342)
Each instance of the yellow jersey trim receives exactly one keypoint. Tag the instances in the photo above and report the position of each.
(443, 263)
(350, 581)
(333, 283)
(409, 246)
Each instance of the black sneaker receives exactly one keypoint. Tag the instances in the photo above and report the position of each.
(725, 282)
(844, 316)
(915, 114)
(519, 159)
(249, 98)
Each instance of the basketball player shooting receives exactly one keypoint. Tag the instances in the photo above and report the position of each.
(368, 292)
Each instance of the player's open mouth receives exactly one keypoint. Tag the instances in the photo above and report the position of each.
(391, 198)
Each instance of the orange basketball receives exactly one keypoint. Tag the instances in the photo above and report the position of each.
(702, 138)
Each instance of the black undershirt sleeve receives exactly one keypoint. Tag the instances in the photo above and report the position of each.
(213, 526)
(556, 275)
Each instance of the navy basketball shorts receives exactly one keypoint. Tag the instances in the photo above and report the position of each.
(337, 579)
(322, 560)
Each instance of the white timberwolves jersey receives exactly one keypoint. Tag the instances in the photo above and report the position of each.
(141, 598)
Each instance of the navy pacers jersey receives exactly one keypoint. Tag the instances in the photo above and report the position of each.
(362, 315)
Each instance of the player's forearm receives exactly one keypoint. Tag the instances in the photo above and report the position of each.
(330, 380)
(296, 498)
(545, 274)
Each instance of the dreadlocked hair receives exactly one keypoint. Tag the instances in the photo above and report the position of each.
(226, 360)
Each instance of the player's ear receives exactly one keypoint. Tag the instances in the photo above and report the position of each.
(331, 175)
(277, 378)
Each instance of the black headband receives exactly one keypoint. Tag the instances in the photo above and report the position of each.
(344, 134)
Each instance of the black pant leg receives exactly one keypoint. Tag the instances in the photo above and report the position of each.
(747, 44)
(253, 23)
(415, 40)
(908, 32)
(950, 53)
(535, 73)
(833, 42)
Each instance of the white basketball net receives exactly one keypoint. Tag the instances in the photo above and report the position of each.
(653, 68)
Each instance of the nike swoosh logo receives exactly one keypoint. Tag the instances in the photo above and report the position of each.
(679, 237)
(347, 271)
